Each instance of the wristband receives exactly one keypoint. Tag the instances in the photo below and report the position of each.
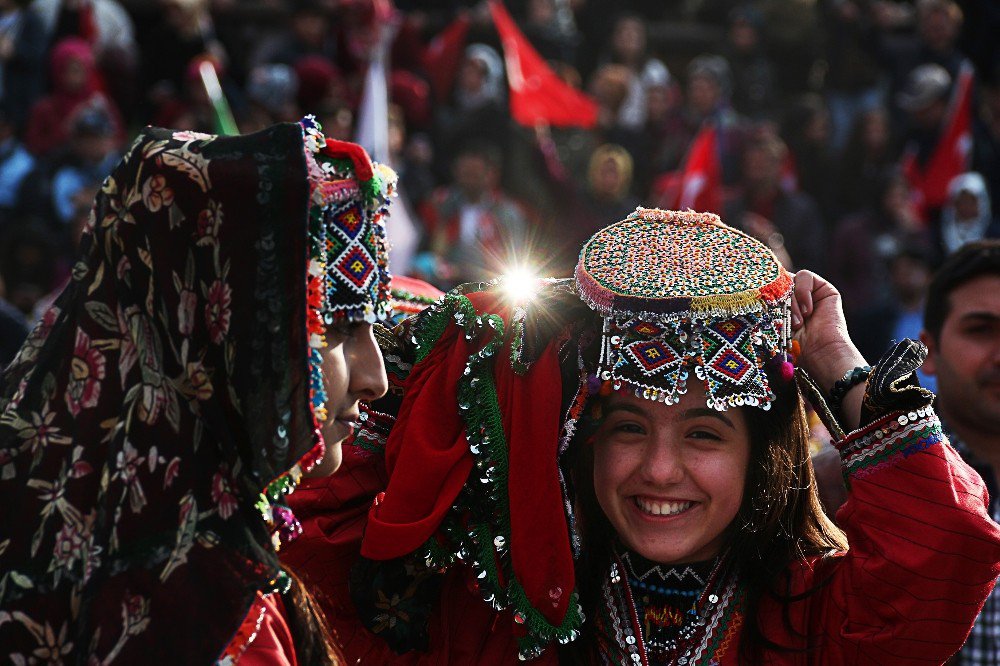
(846, 383)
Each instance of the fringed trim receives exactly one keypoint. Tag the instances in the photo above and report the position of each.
(728, 304)
(476, 530)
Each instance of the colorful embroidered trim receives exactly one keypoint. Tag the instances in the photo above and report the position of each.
(718, 617)
(887, 440)
(373, 430)
(479, 537)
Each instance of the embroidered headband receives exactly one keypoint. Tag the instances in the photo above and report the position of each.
(682, 292)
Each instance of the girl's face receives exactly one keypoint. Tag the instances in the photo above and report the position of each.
(670, 479)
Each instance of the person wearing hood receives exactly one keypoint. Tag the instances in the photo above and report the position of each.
(967, 216)
(478, 109)
(211, 348)
(74, 86)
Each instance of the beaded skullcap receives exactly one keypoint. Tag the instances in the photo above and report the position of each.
(347, 279)
(679, 292)
(348, 274)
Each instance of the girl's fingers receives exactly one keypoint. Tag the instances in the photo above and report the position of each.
(796, 314)
(805, 283)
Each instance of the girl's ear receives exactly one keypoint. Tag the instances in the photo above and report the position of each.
(929, 366)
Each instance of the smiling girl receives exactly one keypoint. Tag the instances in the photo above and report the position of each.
(618, 466)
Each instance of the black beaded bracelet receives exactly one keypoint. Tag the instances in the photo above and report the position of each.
(845, 384)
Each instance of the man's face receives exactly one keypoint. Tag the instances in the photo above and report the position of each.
(966, 356)
(473, 175)
(704, 94)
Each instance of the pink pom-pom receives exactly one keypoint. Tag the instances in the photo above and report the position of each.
(787, 371)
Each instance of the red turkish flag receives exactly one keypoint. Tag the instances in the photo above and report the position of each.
(442, 57)
(952, 155)
(701, 177)
(537, 95)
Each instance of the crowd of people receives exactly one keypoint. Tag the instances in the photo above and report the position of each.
(829, 118)
(614, 467)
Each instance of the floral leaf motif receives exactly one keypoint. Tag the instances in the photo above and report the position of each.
(98, 277)
(80, 270)
(21, 580)
(176, 217)
(172, 408)
(49, 384)
(155, 148)
(193, 164)
(102, 314)
(185, 536)
(109, 186)
(171, 472)
(156, 194)
(79, 469)
(146, 258)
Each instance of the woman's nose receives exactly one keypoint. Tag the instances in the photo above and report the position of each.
(367, 380)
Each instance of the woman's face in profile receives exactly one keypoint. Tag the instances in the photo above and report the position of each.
(352, 371)
(670, 478)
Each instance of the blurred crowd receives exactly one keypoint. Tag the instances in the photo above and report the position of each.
(834, 125)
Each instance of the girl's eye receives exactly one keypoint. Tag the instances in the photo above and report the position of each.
(629, 427)
(704, 434)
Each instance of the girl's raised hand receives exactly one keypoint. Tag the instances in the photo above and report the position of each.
(819, 326)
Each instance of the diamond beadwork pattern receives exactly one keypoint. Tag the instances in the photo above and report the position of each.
(653, 355)
(731, 364)
(356, 266)
(350, 221)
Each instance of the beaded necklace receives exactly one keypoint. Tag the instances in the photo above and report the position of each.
(656, 615)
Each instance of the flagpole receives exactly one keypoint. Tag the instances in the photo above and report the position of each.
(224, 121)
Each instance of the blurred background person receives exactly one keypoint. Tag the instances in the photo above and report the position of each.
(967, 216)
(474, 229)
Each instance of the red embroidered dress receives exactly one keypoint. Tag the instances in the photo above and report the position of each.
(923, 557)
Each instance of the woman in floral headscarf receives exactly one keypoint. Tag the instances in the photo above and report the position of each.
(216, 332)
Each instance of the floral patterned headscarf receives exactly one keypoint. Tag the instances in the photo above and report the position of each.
(167, 386)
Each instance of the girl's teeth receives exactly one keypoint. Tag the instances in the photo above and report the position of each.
(663, 508)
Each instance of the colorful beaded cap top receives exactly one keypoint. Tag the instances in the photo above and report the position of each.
(350, 197)
(680, 292)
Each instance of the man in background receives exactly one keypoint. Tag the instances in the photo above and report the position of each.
(962, 334)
